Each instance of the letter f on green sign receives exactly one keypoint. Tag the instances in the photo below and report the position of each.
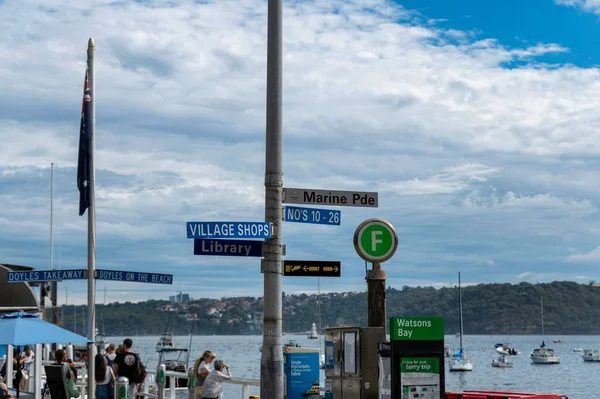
(375, 240)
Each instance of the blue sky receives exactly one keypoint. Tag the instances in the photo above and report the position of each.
(476, 122)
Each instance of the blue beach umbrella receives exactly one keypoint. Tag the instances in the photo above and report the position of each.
(22, 328)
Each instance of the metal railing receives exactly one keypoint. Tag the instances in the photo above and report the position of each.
(149, 392)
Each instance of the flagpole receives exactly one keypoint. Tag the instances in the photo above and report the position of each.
(91, 330)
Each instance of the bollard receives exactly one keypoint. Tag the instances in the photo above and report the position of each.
(46, 352)
(70, 352)
(121, 388)
(191, 384)
(161, 380)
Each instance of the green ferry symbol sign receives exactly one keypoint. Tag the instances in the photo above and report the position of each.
(417, 328)
(375, 240)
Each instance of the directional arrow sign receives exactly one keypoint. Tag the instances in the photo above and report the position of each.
(312, 268)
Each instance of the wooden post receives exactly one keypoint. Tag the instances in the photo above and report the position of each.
(376, 296)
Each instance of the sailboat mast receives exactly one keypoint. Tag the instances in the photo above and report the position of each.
(319, 309)
(542, 309)
(460, 318)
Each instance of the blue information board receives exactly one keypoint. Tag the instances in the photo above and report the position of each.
(227, 247)
(312, 215)
(46, 275)
(134, 277)
(301, 368)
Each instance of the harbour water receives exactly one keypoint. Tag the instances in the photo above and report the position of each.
(572, 377)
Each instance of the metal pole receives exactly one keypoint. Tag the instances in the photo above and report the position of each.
(91, 330)
(54, 284)
(319, 310)
(271, 362)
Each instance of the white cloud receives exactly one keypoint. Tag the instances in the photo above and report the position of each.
(473, 161)
(586, 5)
(593, 255)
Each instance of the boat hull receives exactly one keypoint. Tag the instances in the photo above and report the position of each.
(502, 365)
(546, 360)
(460, 365)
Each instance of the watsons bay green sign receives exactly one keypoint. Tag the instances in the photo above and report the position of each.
(417, 328)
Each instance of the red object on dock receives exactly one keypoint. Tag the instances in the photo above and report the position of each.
(502, 395)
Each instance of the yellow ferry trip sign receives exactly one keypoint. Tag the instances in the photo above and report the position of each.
(417, 328)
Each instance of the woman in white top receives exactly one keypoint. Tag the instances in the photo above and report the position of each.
(213, 385)
(202, 367)
(104, 376)
(28, 356)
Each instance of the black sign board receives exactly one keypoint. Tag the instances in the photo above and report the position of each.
(312, 268)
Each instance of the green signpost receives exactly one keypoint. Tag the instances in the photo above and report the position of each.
(417, 329)
(375, 240)
(417, 345)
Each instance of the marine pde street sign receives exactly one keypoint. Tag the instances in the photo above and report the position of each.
(310, 268)
(220, 230)
(308, 196)
(247, 248)
(312, 215)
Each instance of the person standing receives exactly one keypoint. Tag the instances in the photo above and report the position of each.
(104, 377)
(111, 354)
(202, 368)
(213, 385)
(128, 365)
(28, 356)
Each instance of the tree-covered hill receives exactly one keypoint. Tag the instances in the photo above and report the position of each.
(569, 308)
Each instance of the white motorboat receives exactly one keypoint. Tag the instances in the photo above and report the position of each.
(591, 355)
(313, 334)
(506, 350)
(501, 362)
(577, 349)
(165, 342)
(459, 361)
(544, 356)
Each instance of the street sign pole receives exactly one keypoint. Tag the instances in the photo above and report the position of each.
(376, 241)
(271, 360)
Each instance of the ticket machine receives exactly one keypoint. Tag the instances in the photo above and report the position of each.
(352, 362)
(417, 345)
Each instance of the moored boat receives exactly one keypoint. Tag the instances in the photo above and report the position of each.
(459, 361)
(501, 362)
(544, 356)
(591, 355)
(313, 334)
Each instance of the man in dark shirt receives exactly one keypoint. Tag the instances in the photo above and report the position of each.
(126, 365)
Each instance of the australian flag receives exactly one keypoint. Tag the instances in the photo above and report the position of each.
(84, 164)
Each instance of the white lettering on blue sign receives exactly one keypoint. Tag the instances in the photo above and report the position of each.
(312, 215)
(137, 277)
(46, 275)
(257, 230)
